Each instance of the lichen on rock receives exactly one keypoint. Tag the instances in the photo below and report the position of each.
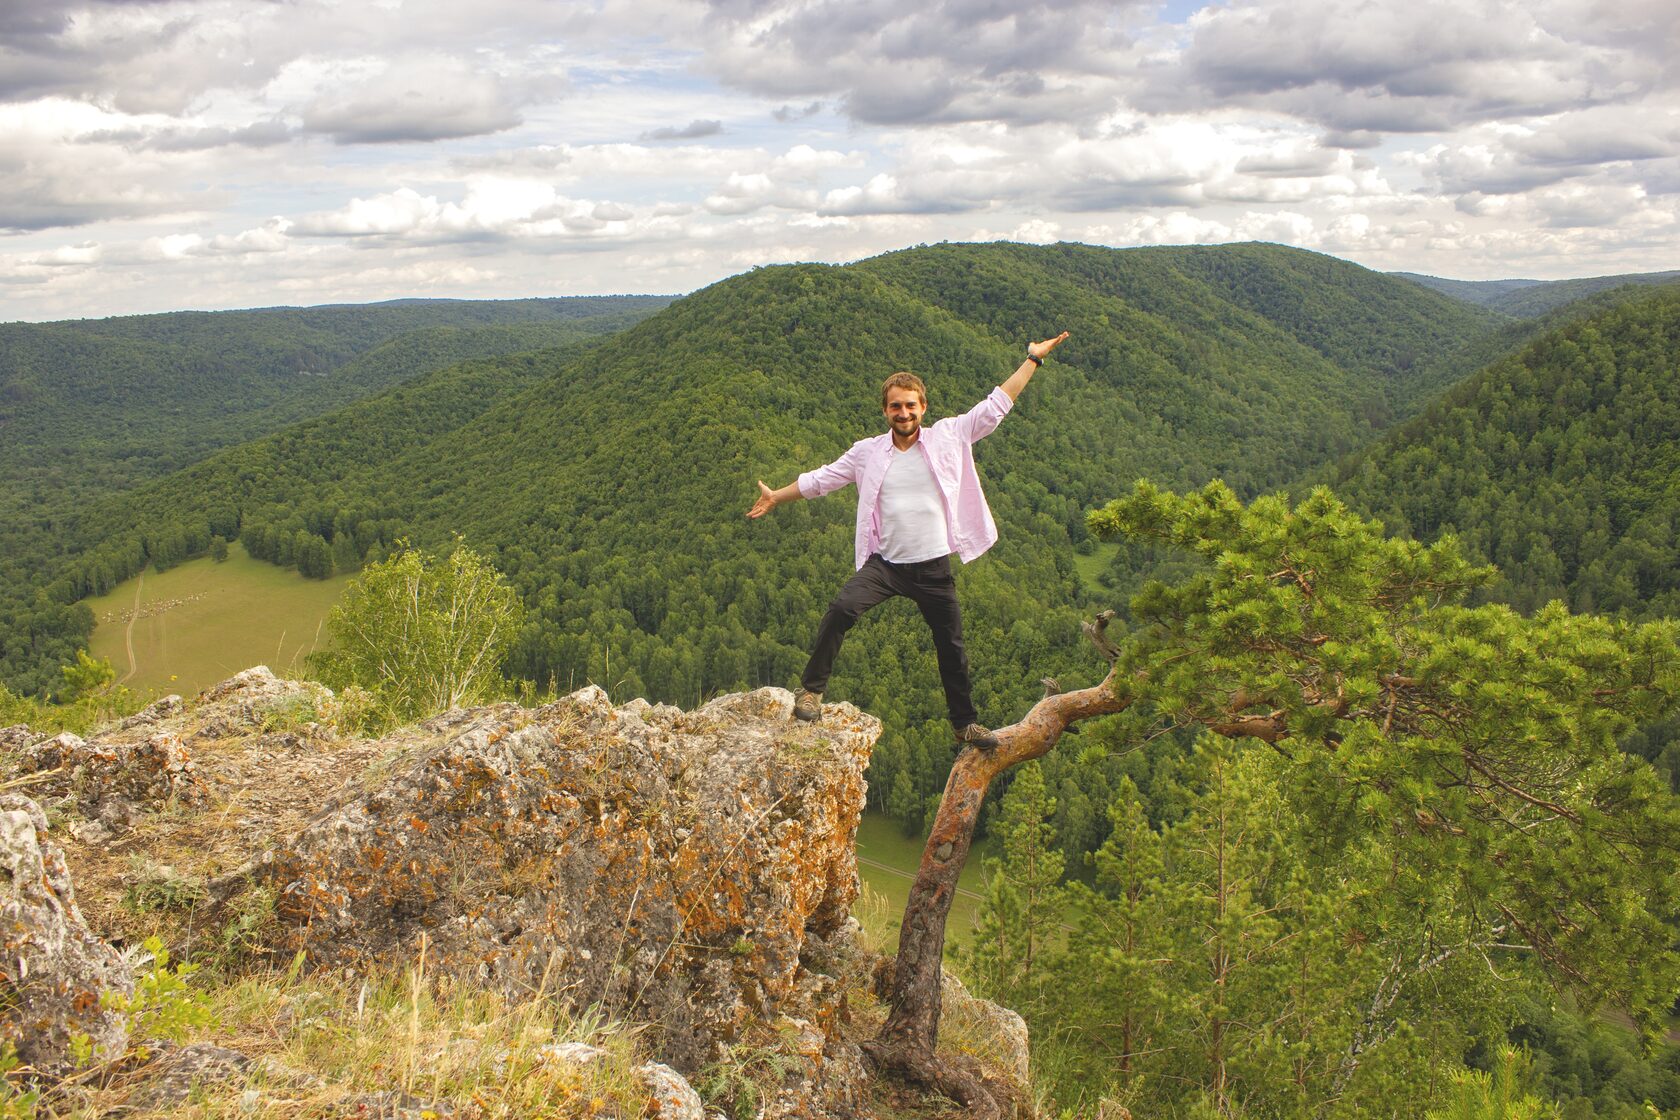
(666, 866)
(54, 973)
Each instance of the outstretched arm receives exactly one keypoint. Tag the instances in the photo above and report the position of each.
(769, 499)
(1040, 350)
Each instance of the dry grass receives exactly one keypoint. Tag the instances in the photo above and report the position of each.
(326, 1045)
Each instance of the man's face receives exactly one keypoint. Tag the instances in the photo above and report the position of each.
(903, 411)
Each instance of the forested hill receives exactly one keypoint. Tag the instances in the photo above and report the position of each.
(612, 488)
(1530, 298)
(1358, 319)
(1560, 463)
(90, 406)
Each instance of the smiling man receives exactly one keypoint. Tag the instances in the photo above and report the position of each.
(919, 500)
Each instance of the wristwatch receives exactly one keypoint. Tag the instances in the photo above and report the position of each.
(1034, 358)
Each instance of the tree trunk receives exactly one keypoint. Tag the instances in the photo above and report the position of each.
(908, 1039)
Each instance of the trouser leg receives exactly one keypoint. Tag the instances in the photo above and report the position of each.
(936, 596)
(870, 586)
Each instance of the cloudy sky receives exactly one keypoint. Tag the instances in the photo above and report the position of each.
(235, 153)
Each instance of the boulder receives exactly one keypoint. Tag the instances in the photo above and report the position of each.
(54, 970)
(179, 1070)
(152, 772)
(165, 708)
(994, 1033)
(670, 1096)
(666, 866)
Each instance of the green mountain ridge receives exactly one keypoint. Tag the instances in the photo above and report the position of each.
(1556, 462)
(48, 486)
(1530, 298)
(88, 406)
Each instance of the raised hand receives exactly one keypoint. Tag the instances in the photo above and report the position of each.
(1042, 350)
(766, 501)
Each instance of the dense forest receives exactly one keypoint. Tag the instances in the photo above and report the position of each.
(607, 478)
(1560, 464)
(92, 406)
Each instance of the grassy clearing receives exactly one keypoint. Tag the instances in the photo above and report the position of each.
(887, 863)
(202, 622)
(1092, 566)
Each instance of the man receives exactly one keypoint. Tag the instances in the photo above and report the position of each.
(919, 500)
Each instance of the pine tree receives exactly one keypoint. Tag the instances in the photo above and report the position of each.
(1109, 982)
(1022, 910)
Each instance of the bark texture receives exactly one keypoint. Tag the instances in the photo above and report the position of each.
(907, 1041)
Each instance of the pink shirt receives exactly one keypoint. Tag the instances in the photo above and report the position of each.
(949, 447)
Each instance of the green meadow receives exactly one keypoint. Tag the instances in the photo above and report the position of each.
(1091, 568)
(203, 621)
(887, 862)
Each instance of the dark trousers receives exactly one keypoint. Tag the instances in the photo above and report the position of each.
(932, 587)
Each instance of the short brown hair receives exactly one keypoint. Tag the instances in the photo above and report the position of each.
(903, 381)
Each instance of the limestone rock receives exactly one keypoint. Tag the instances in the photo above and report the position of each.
(995, 1034)
(170, 1079)
(161, 709)
(50, 754)
(670, 1096)
(668, 866)
(54, 969)
(16, 737)
(253, 682)
(155, 771)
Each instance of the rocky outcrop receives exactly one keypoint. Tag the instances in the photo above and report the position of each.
(667, 866)
(153, 772)
(54, 972)
(688, 873)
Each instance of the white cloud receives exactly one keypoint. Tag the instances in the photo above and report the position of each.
(69, 256)
(428, 97)
(693, 130)
(491, 210)
(1396, 68)
(891, 63)
(51, 175)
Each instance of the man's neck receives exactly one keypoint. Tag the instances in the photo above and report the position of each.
(905, 443)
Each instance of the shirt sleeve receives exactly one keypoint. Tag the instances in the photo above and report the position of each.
(831, 477)
(979, 422)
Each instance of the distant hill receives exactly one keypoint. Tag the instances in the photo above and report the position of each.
(1362, 321)
(1530, 298)
(1560, 463)
(89, 406)
(101, 430)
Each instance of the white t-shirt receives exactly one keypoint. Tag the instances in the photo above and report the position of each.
(913, 522)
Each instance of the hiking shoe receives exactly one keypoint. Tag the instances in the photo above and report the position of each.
(975, 735)
(807, 706)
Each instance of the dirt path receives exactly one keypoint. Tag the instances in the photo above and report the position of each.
(128, 634)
